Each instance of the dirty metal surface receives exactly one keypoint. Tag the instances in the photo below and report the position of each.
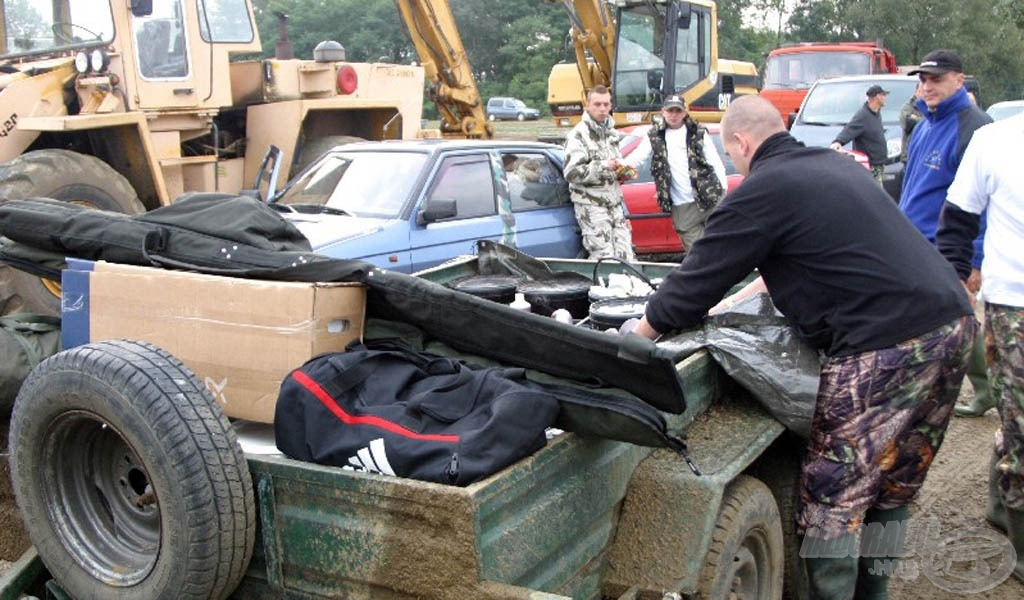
(669, 513)
(542, 524)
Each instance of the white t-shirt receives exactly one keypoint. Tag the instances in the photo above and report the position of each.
(991, 178)
(679, 162)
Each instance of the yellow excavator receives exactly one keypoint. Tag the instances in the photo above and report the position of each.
(621, 44)
(450, 80)
(645, 50)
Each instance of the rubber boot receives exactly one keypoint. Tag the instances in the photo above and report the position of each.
(873, 572)
(831, 567)
(1015, 531)
(995, 511)
(977, 373)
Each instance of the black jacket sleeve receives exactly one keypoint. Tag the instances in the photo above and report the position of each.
(853, 128)
(955, 237)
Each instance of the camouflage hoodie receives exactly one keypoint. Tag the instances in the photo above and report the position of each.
(588, 147)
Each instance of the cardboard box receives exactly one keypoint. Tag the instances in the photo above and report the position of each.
(241, 337)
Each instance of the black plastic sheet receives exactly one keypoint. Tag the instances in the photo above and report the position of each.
(757, 347)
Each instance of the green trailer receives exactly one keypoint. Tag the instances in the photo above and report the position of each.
(581, 518)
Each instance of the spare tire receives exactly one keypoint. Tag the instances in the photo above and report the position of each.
(129, 477)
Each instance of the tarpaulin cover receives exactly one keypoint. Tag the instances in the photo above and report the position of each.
(758, 348)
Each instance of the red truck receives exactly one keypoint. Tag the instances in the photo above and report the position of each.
(791, 69)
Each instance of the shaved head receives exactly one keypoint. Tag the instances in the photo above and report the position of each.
(748, 122)
(753, 116)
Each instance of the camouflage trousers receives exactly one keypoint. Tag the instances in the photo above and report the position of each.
(605, 231)
(880, 418)
(878, 171)
(1004, 349)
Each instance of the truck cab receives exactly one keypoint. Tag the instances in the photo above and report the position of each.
(790, 70)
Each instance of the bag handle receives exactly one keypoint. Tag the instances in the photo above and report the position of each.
(353, 375)
(625, 264)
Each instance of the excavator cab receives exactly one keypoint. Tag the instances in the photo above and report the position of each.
(662, 48)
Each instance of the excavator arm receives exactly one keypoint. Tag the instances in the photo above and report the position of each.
(593, 37)
(450, 80)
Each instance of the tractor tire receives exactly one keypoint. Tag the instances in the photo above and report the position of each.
(314, 148)
(60, 175)
(745, 559)
(129, 477)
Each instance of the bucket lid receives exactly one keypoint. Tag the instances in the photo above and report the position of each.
(485, 285)
(555, 287)
(616, 311)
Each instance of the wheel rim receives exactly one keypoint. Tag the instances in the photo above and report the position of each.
(750, 570)
(54, 286)
(95, 484)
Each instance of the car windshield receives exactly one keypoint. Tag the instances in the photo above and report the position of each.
(520, 104)
(800, 70)
(833, 103)
(361, 184)
(42, 26)
(999, 110)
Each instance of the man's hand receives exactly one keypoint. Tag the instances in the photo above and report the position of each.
(974, 282)
(644, 328)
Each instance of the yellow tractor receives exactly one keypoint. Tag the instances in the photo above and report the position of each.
(126, 104)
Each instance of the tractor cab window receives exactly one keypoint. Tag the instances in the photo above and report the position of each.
(224, 21)
(160, 43)
(639, 55)
(41, 27)
(693, 50)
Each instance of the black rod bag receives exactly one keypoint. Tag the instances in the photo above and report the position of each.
(211, 233)
(515, 337)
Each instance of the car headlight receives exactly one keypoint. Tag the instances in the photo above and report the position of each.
(894, 147)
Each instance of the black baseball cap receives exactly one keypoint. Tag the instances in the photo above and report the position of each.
(938, 62)
(674, 101)
(876, 90)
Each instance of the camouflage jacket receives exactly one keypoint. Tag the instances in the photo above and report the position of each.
(588, 147)
(707, 189)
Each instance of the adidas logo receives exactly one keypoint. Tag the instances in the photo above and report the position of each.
(372, 459)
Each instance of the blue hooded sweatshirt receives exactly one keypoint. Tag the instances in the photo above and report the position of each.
(935, 149)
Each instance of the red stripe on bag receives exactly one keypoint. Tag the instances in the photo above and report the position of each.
(326, 399)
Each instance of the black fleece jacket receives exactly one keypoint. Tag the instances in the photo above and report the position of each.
(838, 257)
(868, 135)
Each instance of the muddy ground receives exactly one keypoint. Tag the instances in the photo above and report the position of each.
(953, 498)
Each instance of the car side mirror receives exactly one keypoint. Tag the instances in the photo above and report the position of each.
(437, 209)
(141, 8)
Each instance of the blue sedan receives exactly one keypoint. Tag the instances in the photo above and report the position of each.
(408, 206)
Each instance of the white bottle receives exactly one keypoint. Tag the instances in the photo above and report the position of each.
(520, 302)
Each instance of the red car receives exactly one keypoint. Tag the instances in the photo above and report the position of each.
(652, 229)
